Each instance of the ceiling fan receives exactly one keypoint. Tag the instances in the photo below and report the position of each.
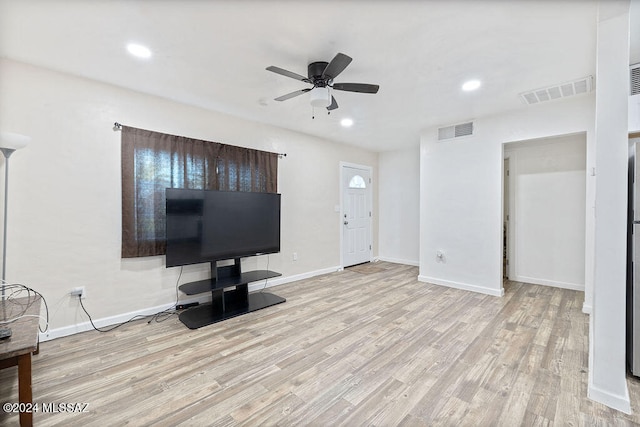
(321, 75)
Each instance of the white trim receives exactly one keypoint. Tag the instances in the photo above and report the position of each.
(203, 298)
(512, 244)
(104, 322)
(369, 190)
(615, 401)
(463, 286)
(586, 308)
(399, 261)
(256, 286)
(544, 282)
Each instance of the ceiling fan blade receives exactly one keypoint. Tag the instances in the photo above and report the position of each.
(336, 66)
(287, 73)
(292, 95)
(333, 105)
(356, 87)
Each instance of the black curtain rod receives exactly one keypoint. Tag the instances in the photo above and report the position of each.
(118, 126)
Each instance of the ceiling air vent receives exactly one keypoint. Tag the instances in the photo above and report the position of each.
(635, 79)
(455, 131)
(564, 90)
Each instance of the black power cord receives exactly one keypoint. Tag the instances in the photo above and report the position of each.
(140, 316)
(160, 316)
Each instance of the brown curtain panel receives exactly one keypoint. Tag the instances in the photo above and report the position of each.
(154, 161)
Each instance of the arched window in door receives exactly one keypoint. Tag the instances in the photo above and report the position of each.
(357, 182)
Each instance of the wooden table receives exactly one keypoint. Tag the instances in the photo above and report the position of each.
(17, 349)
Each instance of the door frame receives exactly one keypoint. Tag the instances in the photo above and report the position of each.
(369, 195)
(509, 201)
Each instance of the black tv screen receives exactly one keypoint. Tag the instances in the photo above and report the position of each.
(209, 225)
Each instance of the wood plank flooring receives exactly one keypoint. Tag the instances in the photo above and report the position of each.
(367, 346)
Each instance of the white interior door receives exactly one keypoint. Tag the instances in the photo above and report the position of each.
(356, 215)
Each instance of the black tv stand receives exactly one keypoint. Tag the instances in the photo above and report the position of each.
(232, 303)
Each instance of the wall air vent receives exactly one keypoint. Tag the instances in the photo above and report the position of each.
(564, 90)
(635, 79)
(455, 131)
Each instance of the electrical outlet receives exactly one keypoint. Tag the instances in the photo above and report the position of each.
(79, 292)
(295, 256)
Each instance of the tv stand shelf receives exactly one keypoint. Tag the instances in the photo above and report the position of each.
(231, 303)
(209, 285)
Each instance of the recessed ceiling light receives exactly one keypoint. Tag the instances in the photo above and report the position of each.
(138, 50)
(346, 122)
(471, 85)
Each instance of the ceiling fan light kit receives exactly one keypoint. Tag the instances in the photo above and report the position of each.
(321, 75)
(320, 97)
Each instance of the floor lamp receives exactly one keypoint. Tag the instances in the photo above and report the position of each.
(9, 142)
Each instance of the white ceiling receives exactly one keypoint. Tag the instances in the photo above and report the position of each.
(213, 54)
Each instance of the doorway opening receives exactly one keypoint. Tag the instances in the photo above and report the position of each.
(544, 211)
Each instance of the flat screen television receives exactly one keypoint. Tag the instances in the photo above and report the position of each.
(210, 225)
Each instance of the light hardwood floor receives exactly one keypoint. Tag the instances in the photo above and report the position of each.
(366, 346)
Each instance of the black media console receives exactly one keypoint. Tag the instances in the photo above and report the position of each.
(225, 305)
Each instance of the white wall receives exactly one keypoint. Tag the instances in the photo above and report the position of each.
(461, 191)
(547, 186)
(64, 209)
(607, 368)
(399, 213)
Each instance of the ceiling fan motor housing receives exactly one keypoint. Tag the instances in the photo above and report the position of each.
(315, 70)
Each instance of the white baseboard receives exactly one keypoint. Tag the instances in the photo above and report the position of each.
(463, 286)
(105, 322)
(276, 281)
(203, 298)
(615, 401)
(586, 309)
(544, 282)
(399, 261)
